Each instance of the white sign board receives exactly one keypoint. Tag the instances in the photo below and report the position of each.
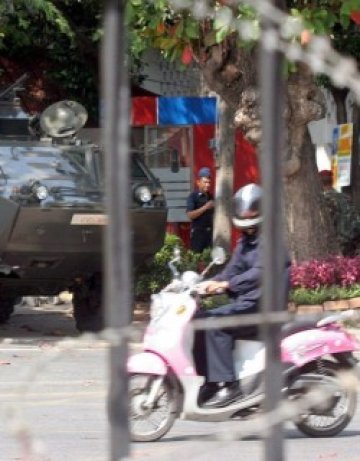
(341, 154)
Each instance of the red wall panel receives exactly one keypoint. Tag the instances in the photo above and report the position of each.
(203, 155)
(246, 170)
(143, 111)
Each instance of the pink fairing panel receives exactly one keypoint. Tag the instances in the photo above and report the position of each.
(305, 346)
(146, 362)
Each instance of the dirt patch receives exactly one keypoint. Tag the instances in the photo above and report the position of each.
(141, 312)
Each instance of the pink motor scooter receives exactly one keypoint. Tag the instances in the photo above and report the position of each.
(164, 384)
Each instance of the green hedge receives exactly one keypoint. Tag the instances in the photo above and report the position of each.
(322, 294)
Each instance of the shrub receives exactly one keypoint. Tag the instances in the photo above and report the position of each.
(322, 294)
(153, 276)
(336, 270)
(317, 281)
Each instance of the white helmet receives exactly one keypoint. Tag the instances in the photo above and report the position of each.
(247, 206)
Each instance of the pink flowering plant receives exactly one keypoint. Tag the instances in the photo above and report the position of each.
(316, 281)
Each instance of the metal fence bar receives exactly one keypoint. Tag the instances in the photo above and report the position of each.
(115, 97)
(271, 84)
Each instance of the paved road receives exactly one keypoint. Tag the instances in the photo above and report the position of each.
(53, 403)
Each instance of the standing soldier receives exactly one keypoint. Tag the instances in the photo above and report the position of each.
(343, 213)
(200, 210)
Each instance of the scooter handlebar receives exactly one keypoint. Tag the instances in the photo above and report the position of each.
(175, 286)
(201, 289)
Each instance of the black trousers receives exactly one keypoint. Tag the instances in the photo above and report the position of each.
(200, 238)
(213, 349)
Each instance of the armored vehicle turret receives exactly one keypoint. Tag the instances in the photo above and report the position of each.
(52, 208)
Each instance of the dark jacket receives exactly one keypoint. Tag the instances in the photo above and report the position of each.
(244, 273)
(195, 201)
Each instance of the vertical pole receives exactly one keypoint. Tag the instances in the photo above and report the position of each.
(115, 102)
(274, 254)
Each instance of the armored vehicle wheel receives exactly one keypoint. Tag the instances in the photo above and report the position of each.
(87, 305)
(7, 305)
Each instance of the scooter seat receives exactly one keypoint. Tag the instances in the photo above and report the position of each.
(296, 326)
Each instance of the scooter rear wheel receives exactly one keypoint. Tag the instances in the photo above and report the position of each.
(339, 413)
(149, 424)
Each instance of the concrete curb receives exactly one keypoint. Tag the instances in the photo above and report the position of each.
(339, 305)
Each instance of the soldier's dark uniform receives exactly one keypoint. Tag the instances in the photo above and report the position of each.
(346, 221)
(201, 227)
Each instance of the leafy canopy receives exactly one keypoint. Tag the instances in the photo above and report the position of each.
(176, 32)
(61, 36)
(66, 33)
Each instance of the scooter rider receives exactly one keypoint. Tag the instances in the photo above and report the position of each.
(241, 279)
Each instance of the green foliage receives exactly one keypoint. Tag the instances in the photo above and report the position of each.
(211, 302)
(18, 18)
(319, 20)
(322, 294)
(62, 36)
(151, 277)
(155, 23)
(66, 33)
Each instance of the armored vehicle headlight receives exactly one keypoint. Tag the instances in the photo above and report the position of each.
(41, 192)
(143, 194)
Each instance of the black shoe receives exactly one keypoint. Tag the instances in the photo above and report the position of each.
(224, 396)
(206, 391)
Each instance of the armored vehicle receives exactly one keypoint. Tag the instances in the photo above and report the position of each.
(52, 208)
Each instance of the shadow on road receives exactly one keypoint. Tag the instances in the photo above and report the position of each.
(37, 323)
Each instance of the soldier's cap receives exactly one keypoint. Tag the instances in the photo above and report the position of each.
(204, 172)
(326, 173)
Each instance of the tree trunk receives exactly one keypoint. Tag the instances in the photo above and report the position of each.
(231, 72)
(224, 176)
(309, 229)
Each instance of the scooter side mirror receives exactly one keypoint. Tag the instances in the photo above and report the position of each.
(218, 255)
(171, 264)
(177, 253)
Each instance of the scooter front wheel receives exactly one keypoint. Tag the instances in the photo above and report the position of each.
(150, 422)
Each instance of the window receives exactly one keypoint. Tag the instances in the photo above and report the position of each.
(165, 145)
